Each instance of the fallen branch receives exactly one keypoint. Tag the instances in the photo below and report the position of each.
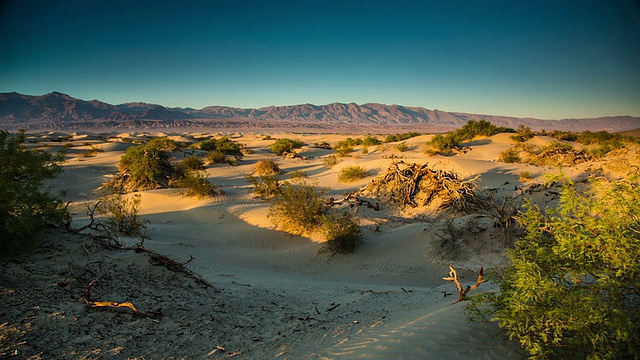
(333, 307)
(116, 305)
(175, 266)
(453, 276)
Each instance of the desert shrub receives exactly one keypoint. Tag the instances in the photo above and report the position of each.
(510, 156)
(266, 167)
(558, 153)
(400, 137)
(563, 135)
(344, 148)
(26, 208)
(365, 150)
(330, 160)
(342, 231)
(194, 183)
(122, 214)
(525, 176)
(323, 145)
(402, 147)
(352, 173)
(300, 207)
(216, 157)
(223, 145)
(265, 186)
(523, 133)
(92, 151)
(192, 163)
(283, 146)
(371, 141)
(298, 174)
(444, 144)
(572, 288)
(474, 128)
(145, 167)
(163, 143)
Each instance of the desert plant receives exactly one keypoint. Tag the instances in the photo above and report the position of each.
(163, 143)
(122, 214)
(365, 150)
(342, 231)
(26, 208)
(92, 151)
(344, 148)
(298, 174)
(352, 173)
(145, 167)
(444, 144)
(371, 141)
(525, 176)
(192, 163)
(523, 133)
(330, 160)
(572, 289)
(223, 145)
(216, 157)
(284, 145)
(400, 137)
(194, 183)
(402, 147)
(265, 186)
(299, 208)
(510, 156)
(266, 167)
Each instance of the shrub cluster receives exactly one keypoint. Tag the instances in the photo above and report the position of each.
(285, 146)
(266, 167)
(342, 231)
(330, 160)
(266, 186)
(400, 137)
(222, 145)
(352, 173)
(122, 214)
(523, 133)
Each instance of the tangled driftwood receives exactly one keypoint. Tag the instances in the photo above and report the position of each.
(418, 185)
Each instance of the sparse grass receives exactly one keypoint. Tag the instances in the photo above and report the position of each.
(352, 173)
(92, 151)
(298, 174)
(402, 147)
(266, 167)
(122, 214)
(525, 176)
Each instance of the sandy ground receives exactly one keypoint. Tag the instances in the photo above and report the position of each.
(273, 295)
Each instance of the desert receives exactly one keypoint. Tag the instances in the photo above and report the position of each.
(252, 290)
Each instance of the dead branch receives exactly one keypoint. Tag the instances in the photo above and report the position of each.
(175, 266)
(353, 200)
(115, 305)
(453, 276)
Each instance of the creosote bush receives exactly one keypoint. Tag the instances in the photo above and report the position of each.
(266, 186)
(194, 183)
(266, 167)
(192, 163)
(25, 208)
(510, 156)
(342, 231)
(330, 160)
(352, 173)
(573, 288)
(300, 207)
(284, 146)
(223, 145)
(122, 214)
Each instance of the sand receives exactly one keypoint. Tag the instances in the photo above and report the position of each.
(273, 295)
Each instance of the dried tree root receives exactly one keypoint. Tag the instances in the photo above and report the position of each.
(453, 276)
(115, 305)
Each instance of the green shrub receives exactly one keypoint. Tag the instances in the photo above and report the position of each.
(122, 214)
(572, 289)
(330, 160)
(223, 145)
(267, 167)
(523, 133)
(400, 137)
(344, 148)
(265, 186)
(402, 147)
(146, 168)
(352, 173)
(194, 183)
(365, 150)
(474, 128)
(216, 157)
(298, 174)
(525, 176)
(510, 156)
(342, 231)
(283, 146)
(192, 163)
(25, 208)
(299, 209)
(163, 143)
(445, 144)
(371, 141)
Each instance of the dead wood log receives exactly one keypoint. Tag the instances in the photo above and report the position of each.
(116, 305)
(453, 276)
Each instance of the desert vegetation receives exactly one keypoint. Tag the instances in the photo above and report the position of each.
(266, 167)
(352, 173)
(285, 146)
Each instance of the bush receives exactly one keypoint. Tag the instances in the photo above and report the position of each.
(216, 157)
(299, 209)
(400, 137)
(572, 289)
(474, 128)
(298, 174)
(525, 176)
(146, 167)
(266, 167)
(344, 148)
(510, 156)
(192, 163)
(265, 186)
(163, 143)
(122, 214)
(342, 231)
(223, 145)
(444, 144)
(283, 146)
(352, 173)
(330, 160)
(25, 208)
(402, 147)
(523, 133)
(92, 151)
(194, 183)
(371, 141)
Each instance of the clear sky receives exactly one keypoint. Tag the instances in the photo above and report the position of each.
(545, 59)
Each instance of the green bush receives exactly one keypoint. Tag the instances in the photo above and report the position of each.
(510, 156)
(299, 209)
(400, 137)
(344, 148)
(402, 147)
(342, 231)
(330, 160)
(265, 186)
(523, 133)
(474, 128)
(283, 146)
(223, 145)
(371, 141)
(146, 168)
(163, 143)
(194, 183)
(25, 208)
(445, 144)
(573, 289)
(266, 167)
(352, 173)
(122, 214)
(216, 157)
(192, 163)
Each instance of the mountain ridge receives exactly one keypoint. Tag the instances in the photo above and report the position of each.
(60, 111)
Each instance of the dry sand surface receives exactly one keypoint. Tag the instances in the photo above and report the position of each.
(273, 295)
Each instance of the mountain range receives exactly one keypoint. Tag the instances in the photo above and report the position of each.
(58, 111)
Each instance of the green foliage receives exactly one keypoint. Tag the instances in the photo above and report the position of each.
(122, 214)
(194, 183)
(474, 128)
(147, 167)
(342, 231)
(330, 160)
(523, 133)
(371, 141)
(510, 156)
(223, 145)
(298, 174)
(573, 289)
(445, 144)
(192, 163)
(402, 147)
(400, 137)
(265, 186)
(563, 135)
(525, 176)
(163, 143)
(25, 208)
(216, 157)
(267, 167)
(352, 173)
(300, 207)
(283, 146)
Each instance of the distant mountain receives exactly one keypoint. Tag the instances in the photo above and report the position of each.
(62, 112)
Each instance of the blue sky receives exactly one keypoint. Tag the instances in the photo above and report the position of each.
(543, 59)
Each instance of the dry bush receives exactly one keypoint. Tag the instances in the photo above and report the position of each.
(342, 231)
(194, 183)
(265, 186)
(266, 167)
(330, 160)
(559, 154)
(510, 156)
(122, 215)
(300, 207)
(352, 173)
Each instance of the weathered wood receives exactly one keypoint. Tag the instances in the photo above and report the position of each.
(453, 276)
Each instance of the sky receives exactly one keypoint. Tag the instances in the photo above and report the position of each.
(541, 59)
